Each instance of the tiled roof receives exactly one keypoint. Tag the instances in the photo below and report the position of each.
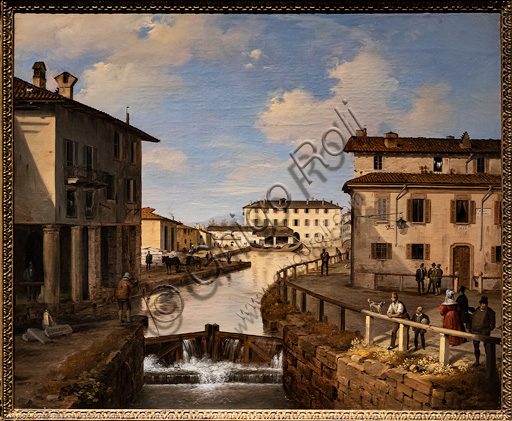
(26, 92)
(294, 204)
(147, 213)
(421, 145)
(228, 228)
(418, 178)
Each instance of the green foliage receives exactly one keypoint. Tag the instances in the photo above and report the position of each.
(90, 390)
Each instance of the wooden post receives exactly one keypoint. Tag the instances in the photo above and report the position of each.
(490, 361)
(480, 283)
(402, 338)
(401, 283)
(320, 310)
(295, 273)
(316, 264)
(307, 269)
(444, 350)
(369, 329)
(210, 337)
(303, 303)
(285, 293)
(456, 284)
(342, 318)
(281, 289)
(247, 351)
(294, 297)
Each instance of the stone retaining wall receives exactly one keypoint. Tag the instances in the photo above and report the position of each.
(317, 377)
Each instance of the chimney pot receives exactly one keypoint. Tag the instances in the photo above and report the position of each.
(361, 133)
(390, 135)
(39, 77)
(66, 81)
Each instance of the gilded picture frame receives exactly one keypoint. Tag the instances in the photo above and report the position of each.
(10, 8)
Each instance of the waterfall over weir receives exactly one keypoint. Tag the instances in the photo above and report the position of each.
(198, 368)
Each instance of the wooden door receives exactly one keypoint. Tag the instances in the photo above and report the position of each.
(461, 264)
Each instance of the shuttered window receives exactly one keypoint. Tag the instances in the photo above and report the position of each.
(496, 254)
(497, 212)
(381, 251)
(463, 211)
(417, 251)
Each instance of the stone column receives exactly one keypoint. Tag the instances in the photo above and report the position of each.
(119, 253)
(51, 265)
(94, 254)
(76, 257)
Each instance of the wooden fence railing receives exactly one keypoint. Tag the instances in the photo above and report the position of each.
(289, 291)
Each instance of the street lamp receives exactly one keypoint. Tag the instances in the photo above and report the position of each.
(400, 223)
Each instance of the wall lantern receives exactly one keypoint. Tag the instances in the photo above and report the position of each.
(401, 223)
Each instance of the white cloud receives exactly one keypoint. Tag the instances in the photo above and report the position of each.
(249, 66)
(166, 159)
(255, 54)
(373, 94)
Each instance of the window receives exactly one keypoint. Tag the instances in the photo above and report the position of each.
(117, 146)
(480, 165)
(316, 222)
(71, 204)
(317, 210)
(71, 150)
(133, 152)
(285, 210)
(326, 210)
(417, 251)
(497, 254)
(462, 211)
(111, 193)
(306, 210)
(382, 208)
(275, 210)
(326, 222)
(130, 190)
(418, 206)
(381, 251)
(89, 204)
(438, 164)
(275, 221)
(89, 157)
(306, 222)
(307, 235)
(256, 210)
(377, 162)
(295, 211)
(295, 222)
(265, 210)
(255, 221)
(285, 222)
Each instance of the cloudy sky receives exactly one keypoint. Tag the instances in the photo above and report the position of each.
(231, 96)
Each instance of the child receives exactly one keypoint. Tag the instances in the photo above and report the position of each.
(419, 317)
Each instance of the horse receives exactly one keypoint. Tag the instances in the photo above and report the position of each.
(171, 261)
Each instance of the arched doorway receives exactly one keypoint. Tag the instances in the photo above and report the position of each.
(297, 236)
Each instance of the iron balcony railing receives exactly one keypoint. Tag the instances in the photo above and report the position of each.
(77, 174)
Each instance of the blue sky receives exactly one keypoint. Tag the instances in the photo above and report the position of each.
(231, 96)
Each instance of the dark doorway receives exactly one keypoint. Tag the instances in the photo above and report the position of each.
(297, 236)
(34, 254)
(461, 264)
(85, 263)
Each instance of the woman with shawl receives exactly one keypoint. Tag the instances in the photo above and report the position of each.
(450, 311)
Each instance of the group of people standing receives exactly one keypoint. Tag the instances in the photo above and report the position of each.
(457, 315)
(434, 277)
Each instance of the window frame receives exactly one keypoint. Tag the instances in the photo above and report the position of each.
(377, 162)
(75, 206)
(438, 160)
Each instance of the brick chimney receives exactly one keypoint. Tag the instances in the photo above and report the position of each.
(66, 81)
(39, 78)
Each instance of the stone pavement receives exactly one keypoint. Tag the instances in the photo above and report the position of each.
(337, 286)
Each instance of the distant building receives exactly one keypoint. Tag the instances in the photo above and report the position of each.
(186, 237)
(425, 200)
(346, 232)
(205, 237)
(157, 231)
(224, 236)
(77, 192)
(311, 221)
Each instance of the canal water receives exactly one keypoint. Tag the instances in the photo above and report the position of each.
(232, 302)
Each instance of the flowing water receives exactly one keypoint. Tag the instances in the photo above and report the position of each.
(232, 302)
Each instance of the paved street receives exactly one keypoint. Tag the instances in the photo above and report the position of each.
(337, 286)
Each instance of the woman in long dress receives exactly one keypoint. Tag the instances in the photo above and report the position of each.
(450, 311)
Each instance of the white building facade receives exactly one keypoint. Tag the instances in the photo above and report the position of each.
(417, 200)
(314, 222)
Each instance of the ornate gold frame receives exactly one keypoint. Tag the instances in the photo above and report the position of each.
(10, 7)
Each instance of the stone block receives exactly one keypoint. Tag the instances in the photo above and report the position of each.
(396, 394)
(375, 368)
(356, 358)
(328, 372)
(291, 359)
(420, 397)
(366, 396)
(390, 403)
(410, 403)
(438, 393)
(326, 403)
(332, 357)
(343, 381)
(343, 389)
(437, 403)
(308, 344)
(351, 403)
(355, 395)
(391, 383)
(342, 369)
(417, 383)
(396, 374)
(321, 351)
(381, 387)
(304, 369)
(406, 390)
(326, 361)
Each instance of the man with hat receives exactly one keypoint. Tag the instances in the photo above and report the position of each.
(124, 288)
(438, 276)
(483, 321)
(430, 276)
(419, 317)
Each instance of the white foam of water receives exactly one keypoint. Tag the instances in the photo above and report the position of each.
(277, 361)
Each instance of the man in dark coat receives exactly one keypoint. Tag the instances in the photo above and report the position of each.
(463, 303)
(419, 317)
(483, 321)
(420, 278)
(325, 262)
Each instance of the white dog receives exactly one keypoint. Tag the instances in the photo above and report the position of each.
(375, 306)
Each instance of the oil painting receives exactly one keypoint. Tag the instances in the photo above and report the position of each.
(259, 215)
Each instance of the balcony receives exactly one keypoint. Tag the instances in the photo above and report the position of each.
(87, 177)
